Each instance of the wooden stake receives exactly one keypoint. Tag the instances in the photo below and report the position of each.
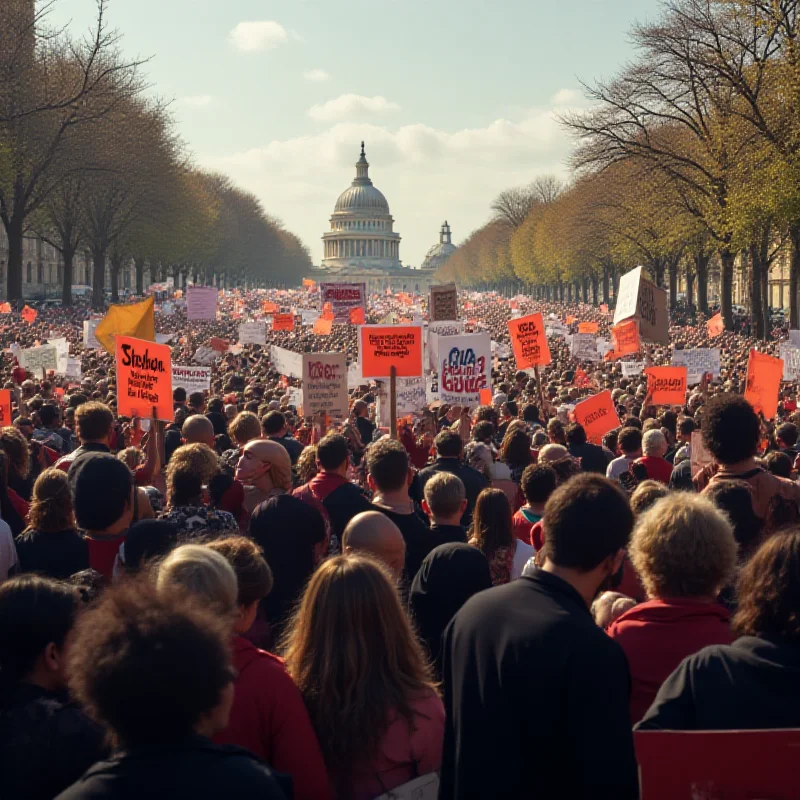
(542, 409)
(393, 402)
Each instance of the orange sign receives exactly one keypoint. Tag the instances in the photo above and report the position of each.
(571, 319)
(308, 283)
(144, 378)
(666, 385)
(219, 345)
(384, 346)
(270, 308)
(283, 322)
(5, 407)
(715, 325)
(323, 325)
(764, 375)
(529, 341)
(486, 397)
(604, 308)
(624, 339)
(5, 308)
(357, 315)
(29, 314)
(588, 327)
(597, 415)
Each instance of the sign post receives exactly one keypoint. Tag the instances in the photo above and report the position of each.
(393, 402)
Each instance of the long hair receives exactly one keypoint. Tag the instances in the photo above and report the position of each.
(51, 505)
(516, 449)
(355, 659)
(7, 510)
(491, 522)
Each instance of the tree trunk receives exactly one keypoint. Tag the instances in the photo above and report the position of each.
(701, 271)
(606, 288)
(726, 286)
(765, 295)
(794, 269)
(66, 287)
(14, 232)
(689, 285)
(595, 289)
(98, 277)
(139, 263)
(755, 288)
(616, 276)
(116, 265)
(673, 283)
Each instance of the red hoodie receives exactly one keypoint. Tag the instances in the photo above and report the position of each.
(657, 635)
(269, 719)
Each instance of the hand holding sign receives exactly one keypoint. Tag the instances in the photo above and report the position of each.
(529, 341)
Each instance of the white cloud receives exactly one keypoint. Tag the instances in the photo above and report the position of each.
(567, 97)
(253, 36)
(316, 75)
(196, 101)
(350, 106)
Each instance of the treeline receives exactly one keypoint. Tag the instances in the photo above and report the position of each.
(90, 162)
(686, 159)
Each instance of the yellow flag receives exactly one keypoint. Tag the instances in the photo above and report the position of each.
(137, 320)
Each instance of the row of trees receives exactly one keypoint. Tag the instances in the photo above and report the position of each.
(689, 154)
(91, 163)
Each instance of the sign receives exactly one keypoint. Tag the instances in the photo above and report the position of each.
(583, 346)
(437, 329)
(630, 369)
(309, 316)
(790, 355)
(697, 361)
(354, 379)
(74, 370)
(62, 353)
(29, 314)
(464, 368)
(36, 359)
(588, 327)
(794, 338)
(716, 325)
(597, 415)
(555, 327)
(640, 298)
(205, 355)
(253, 333)
(89, 339)
(167, 308)
(411, 395)
(201, 302)
(286, 362)
(382, 347)
(323, 327)
(192, 379)
(625, 338)
(283, 322)
(700, 455)
(443, 302)
(342, 297)
(764, 375)
(666, 385)
(357, 316)
(325, 384)
(270, 308)
(529, 341)
(5, 407)
(144, 379)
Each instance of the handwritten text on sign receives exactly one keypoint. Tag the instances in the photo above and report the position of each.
(666, 385)
(192, 379)
(464, 367)
(342, 297)
(698, 361)
(529, 341)
(444, 302)
(597, 415)
(383, 347)
(144, 378)
(325, 384)
(201, 302)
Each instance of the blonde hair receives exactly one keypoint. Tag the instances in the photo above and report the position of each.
(645, 494)
(132, 456)
(190, 468)
(683, 546)
(203, 573)
(51, 508)
(245, 427)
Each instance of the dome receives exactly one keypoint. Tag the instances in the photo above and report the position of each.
(362, 197)
(441, 251)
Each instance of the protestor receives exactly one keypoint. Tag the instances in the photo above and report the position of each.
(538, 483)
(275, 429)
(592, 457)
(629, 443)
(373, 533)
(265, 470)
(95, 422)
(444, 503)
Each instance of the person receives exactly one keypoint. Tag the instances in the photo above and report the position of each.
(444, 503)
(735, 499)
(450, 574)
(654, 446)
(18, 477)
(629, 443)
(786, 436)
(46, 741)
(366, 427)
(51, 544)
(778, 463)
(449, 449)
(752, 683)
(50, 432)
(515, 452)
(95, 423)
(364, 679)
(389, 476)
(684, 552)
(374, 533)
(646, 494)
(244, 427)
(541, 625)
(161, 728)
(172, 435)
(276, 430)
(538, 483)
(593, 457)
(146, 542)
(265, 470)
(198, 429)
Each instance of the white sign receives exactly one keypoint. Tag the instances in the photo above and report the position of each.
(62, 353)
(89, 339)
(794, 338)
(697, 360)
(411, 396)
(627, 295)
(354, 379)
(701, 456)
(164, 338)
(193, 379)
(309, 316)
(791, 361)
(36, 359)
(464, 367)
(74, 371)
(630, 369)
(286, 362)
(583, 346)
(205, 355)
(603, 346)
(167, 308)
(201, 302)
(556, 328)
(502, 351)
(437, 329)
(325, 384)
(253, 333)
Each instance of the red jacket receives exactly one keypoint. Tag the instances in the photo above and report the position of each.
(522, 525)
(269, 719)
(657, 635)
(658, 469)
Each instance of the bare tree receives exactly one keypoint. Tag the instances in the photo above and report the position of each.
(512, 206)
(547, 188)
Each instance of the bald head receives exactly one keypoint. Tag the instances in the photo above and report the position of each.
(374, 533)
(198, 430)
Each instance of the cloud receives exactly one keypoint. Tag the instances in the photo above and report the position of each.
(316, 75)
(567, 97)
(250, 37)
(350, 106)
(196, 101)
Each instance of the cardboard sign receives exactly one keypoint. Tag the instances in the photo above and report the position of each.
(411, 395)
(62, 353)
(715, 326)
(382, 347)
(253, 333)
(583, 346)
(5, 407)
(588, 327)
(5, 308)
(286, 362)
(597, 415)
(443, 302)
(308, 283)
(201, 302)
(341, 297)
(625, 339)
(701, 455)
(640, 298)
(192, 379)
(764, 375)
(270, 308)
(529, 341)
(89, 339)
(630, 369)
(698, 361)
(144, 379)
(74, 370)
(36, 359)
(325, 384)
(219, 345)
(437, 329)
(571, 319)
(464, 367)
(283, 322)
(357, 316)
(667, 385)
(29, 314)
(486, 397)
(790, 355)
(323, 327)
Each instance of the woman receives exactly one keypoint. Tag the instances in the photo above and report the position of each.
(13, 510)
(46, 742)
(20, 464)
(492, 533)
(449, 576)
(752, 683)
(515, 452)
(364, 680)
(684, 552)
(51, 543)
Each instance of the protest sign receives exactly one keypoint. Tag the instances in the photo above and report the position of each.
(486, 397)
(701, 455)
(437, 329)
(603, 347)
(764, 375)
(583, 346)
(270, 308)
(604, 308)
(286, 362)
(219, 345)
(323, 327)
(443, 302)
(5, 308)
(309, 316)
(790, 355)
(794, 338)
(89, 339)
(74, 370)
(625, 339)
(192, 379)
(325, 384)
(342, 297)
(529, 341)
(357, 316)
(382, 347)
(283, 322)
(201, 302)
(205, 355)
(5, 407)
(715, 326)
(588, 327)
(29, 314)
(144, 379)
(354, 379)
(555, 327)
(36, 359)
(167, 308)
(666, 385)
(411, 396)
(630, 369)
(640, 298)
(597, 415)
(253, 333)
(464, 368)
(164, 338)
(62, 353)
(570, 319)
(698, 361)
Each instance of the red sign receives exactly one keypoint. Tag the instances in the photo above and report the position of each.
(529, 341)
(5, 407)
(283, 322)
(715, 325)
(357, 316)
(764, 374)
(385, 346)
(144, 378)
(666, 385)
(597, 415)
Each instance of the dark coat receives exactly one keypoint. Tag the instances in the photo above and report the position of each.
(473, 481)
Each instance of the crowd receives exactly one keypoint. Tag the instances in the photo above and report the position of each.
(240, 603)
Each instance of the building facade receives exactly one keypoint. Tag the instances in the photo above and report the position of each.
(439, 253)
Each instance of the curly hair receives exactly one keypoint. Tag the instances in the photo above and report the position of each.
(16, 447)
(51, 508)
(731, 429)
(516, 449)
(645, 494)
(190, 468)
(307, 464)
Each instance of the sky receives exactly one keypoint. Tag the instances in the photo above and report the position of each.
(456, 100)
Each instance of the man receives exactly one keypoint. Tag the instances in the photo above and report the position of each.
(94, 422)
(275, 428)
(629, 443)
(389, 476)
(445, 503)
(172, 434)
(198, 429)
(654, 446)
(786, 438)
(374, 533)
(449, 449)
(265, 471)
(197, 403)
(366, 427)
(592, 456)
(179, 398)
(573, 720)
(537, 484)
(50, 432)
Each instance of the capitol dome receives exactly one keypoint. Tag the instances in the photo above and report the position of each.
(362, 229)
(440, 252)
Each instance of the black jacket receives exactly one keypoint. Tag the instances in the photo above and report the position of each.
(58, 555)
(593, 457)
(752, 684)
(536, 697)
(416, 535)
(473, 482)
(343, 503)
(196, 769)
